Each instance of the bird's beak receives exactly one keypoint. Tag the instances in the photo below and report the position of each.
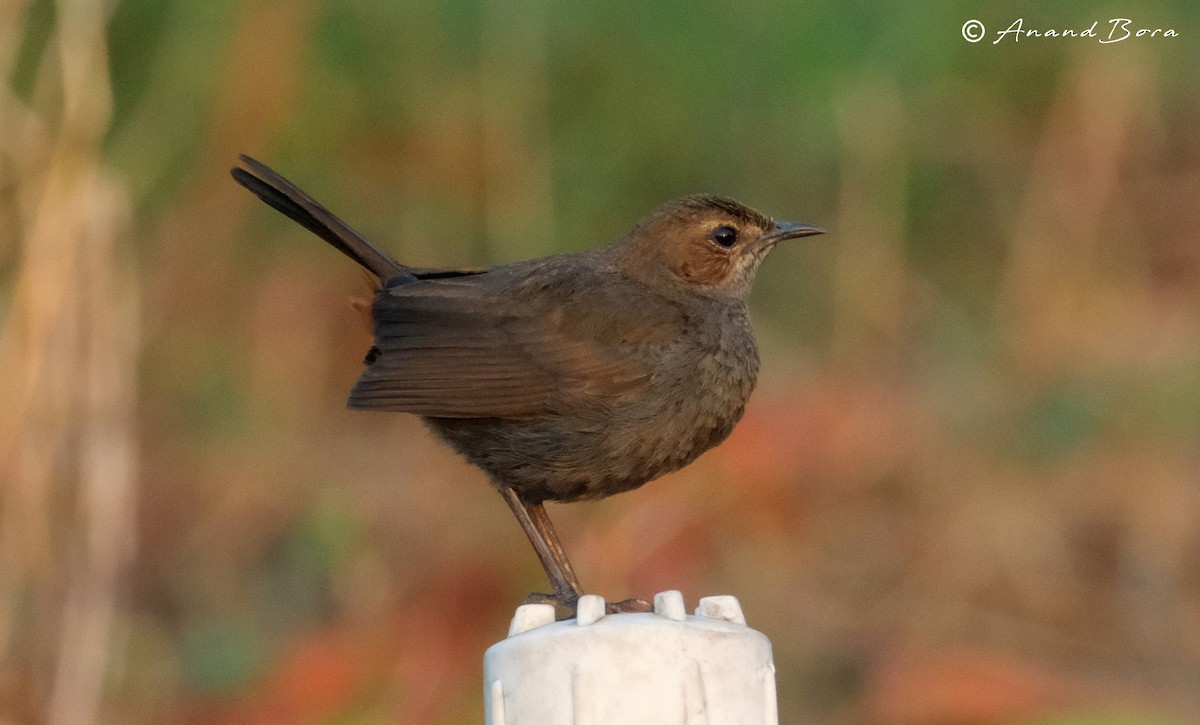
(791, 230)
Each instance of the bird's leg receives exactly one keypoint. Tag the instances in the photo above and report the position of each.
(537, 527)
(541, 520)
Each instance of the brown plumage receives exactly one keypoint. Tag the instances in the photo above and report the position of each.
(572, 376)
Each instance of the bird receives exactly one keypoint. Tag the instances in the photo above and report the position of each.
(569, 377)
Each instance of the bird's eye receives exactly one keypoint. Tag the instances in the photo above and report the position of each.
(725, 236)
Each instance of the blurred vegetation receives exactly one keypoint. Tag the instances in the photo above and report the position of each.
(967, 491)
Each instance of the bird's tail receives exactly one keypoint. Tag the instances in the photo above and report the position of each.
(287, 198)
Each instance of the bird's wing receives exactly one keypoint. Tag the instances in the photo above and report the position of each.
(472, 347)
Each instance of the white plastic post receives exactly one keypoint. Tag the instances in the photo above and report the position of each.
(631, 669)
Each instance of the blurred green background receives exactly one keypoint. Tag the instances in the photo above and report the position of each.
(966, 491)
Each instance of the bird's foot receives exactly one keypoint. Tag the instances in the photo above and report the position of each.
(567, 601)
(570, 603)
(628, 606)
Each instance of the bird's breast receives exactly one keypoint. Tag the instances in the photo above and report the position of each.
(697, 395)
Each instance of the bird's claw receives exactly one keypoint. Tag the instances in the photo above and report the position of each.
(568, 602)
(628, 606)
(558, 600)
(571, 602)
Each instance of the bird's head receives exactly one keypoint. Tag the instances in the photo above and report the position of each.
(709, 244)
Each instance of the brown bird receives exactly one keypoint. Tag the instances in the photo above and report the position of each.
(574, 376)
